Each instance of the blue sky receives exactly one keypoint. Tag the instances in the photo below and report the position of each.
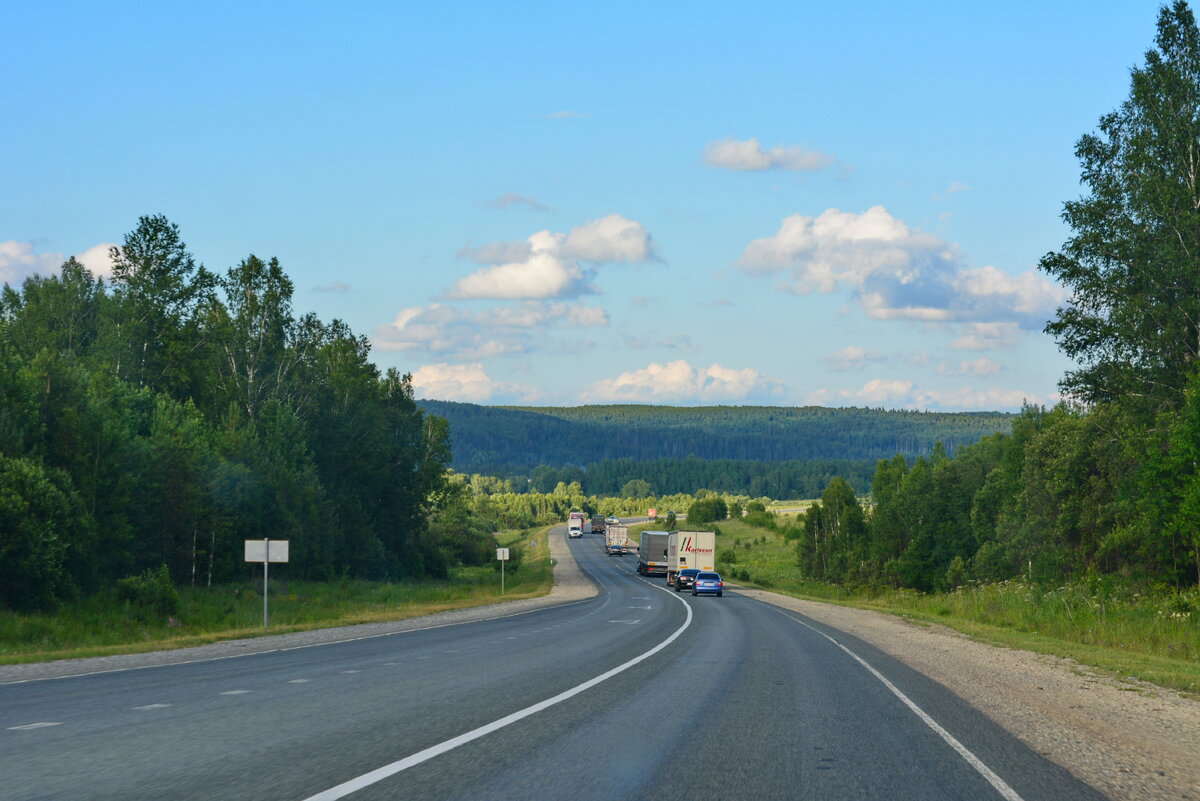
(754, 203)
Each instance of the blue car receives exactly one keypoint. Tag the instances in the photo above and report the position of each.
(708, 583)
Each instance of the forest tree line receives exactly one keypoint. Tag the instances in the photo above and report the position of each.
(1107, 485)
(168, 414)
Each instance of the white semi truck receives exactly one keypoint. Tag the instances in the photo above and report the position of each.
(652, 553)
(696, 549)
(615, 538)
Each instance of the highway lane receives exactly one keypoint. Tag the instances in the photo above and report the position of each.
(749, 702)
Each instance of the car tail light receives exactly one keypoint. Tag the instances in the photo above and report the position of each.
(720, 584)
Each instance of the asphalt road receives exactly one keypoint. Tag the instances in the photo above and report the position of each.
(638, 693)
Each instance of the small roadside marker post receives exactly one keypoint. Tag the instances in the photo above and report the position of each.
(502, 555)
(266, 551)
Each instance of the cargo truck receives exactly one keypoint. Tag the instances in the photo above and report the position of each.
(652, 553)
(578, 524)
(696, 549)
(598, 524)
(615, 538)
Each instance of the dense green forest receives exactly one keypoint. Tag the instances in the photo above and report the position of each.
(775, 451)
(1107, 488)
(166, 416)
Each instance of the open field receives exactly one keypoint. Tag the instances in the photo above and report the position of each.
(103, 626)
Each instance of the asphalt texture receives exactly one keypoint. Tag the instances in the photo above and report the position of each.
(747, 702)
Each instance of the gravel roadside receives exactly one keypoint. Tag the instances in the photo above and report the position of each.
(1131, 740)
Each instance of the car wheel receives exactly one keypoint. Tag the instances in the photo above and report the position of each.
(719, 594)
(693, 593)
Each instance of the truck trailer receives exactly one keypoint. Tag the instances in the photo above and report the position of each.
(696, 549)
(652, 553)
(615, 538)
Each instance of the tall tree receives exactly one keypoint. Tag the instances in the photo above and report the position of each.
(1133, 319)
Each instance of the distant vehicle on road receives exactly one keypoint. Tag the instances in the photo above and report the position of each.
(652, 553)
(696, 549)
(652, 514)
(578, 524)
(614, 540)
(686, 578)
(708, 583)
(598, 524)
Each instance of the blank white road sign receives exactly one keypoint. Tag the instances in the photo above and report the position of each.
(501, 554)
(256, 551)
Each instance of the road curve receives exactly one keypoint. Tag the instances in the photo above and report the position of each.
(633, 693)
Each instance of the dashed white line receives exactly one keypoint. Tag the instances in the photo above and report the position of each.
(144, 707)
(349, 671)
(29, 726)
(298, 681)
(234, 692)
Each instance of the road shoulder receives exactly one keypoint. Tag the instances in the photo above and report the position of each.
(1130, 740)
(570, 585)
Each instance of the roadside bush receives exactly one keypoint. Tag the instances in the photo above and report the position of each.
(516, 555)
(727, 557)
(151, 592)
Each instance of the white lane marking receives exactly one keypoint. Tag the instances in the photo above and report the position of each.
(379, 774)
(29, 726)
(640, 607)
(391, 664)
(630, 622)
(152, 706)
(298, 681)
(349, 671)
(1001, 786)
(234, 692)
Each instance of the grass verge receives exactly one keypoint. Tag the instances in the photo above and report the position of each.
(1153, 637)
(101, 626)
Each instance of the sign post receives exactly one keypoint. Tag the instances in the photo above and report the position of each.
(266, 551)
(502, 555)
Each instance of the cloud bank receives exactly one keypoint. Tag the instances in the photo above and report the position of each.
(19, 260)
(553, 265)
(897, 272)
(750, 156)
(680, 383)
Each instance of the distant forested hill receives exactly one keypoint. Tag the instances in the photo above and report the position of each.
(502, 440)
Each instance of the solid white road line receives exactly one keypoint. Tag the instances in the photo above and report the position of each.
(379, 774)
(1001, 786)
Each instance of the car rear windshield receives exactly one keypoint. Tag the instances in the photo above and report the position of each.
(713, 576)
(690, 571)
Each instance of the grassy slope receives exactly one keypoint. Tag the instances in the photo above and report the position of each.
(94, 628)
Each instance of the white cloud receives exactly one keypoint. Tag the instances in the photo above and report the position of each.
(442, 329)
(19, 260)
(907, 395)
(97, 260)
(986, 336)
(852, 358)
(749, 155)
(679, 383)
(337, 288)
(510, 199)
(609, 239)
(980, 366)
(896, 272)
(953, 189)
(463, 382)
(547, 265)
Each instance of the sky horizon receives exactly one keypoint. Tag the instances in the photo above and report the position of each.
(769, 204)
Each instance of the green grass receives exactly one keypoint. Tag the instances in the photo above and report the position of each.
(1155, 638)
(102, 626)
